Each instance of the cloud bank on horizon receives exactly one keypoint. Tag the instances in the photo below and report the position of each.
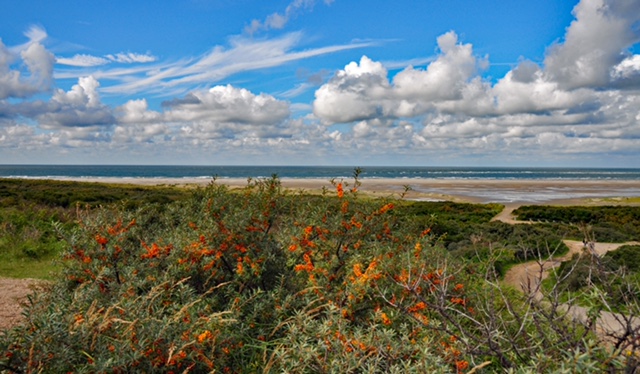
(276, 93)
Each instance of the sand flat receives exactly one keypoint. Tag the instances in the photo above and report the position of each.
(535, 191)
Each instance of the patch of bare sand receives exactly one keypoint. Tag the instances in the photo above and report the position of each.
(532, 272)
(13, 293)
(464, 190)
(527, 277)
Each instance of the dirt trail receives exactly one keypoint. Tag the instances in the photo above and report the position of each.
(506, 215)
(529, 273)
(526, 277)
(13, 292)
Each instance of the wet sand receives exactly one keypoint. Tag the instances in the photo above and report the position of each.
(509, 192)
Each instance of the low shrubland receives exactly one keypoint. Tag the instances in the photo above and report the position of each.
(603, 223)
(266, 280)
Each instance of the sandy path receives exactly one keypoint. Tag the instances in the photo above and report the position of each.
(529, 273)
(527, 277)
(507, 216)
(13, 292)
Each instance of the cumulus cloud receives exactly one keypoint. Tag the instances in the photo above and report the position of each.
(591, 57)
(17, 82)
(443, 78)
(356, 93)
(78, 107)
(363, 91)
(137, 111)
(627, 73)
(222, 112)
(572, 104)
(136, 134)
(594, 43)
(227, 104)
(535, 94)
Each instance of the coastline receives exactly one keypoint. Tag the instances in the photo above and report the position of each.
(502, 191)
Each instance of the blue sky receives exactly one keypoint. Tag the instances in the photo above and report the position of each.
(313, 82)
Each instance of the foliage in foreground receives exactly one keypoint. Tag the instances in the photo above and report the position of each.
(263, 281)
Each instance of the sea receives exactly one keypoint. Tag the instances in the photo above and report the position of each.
(313, 172)
(498, 194)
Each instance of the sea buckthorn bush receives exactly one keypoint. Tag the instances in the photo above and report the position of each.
(266, 280)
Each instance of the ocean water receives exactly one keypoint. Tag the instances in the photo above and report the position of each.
(304, 172)
(498, 193)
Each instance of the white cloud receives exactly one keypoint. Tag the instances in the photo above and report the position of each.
(19, 82)
(356, 93)
(627, 73)
(178, 77)
(538, 95)
(627, 68)
(147, 133)
(36, 34)
(78, 107)
(82, 61)
(443, 78)
(362, 91)
(594, 43)
(227, 104)
(559, 108)
(137, 112)
(82, 94)
(204, 117)
(129, 58)
(279, 21)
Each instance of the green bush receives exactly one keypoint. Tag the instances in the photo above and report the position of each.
(608, 223)
(627, 256)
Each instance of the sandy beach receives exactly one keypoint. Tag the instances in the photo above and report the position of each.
(508, 192)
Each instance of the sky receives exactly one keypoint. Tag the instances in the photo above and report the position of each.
(321, 82)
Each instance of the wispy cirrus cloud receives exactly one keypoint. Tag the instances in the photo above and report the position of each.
(84, 60)
(172, 78)
(279, 20)
(129, 58)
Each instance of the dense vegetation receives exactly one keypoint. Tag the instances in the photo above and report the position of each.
(266, 280)
(63, 194)
(605, 223)
(466, 230)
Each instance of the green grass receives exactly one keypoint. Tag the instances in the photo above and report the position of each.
(11, 267)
